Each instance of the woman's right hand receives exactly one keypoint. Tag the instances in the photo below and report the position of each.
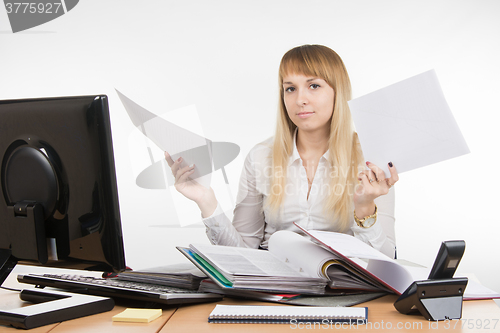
(191, 189)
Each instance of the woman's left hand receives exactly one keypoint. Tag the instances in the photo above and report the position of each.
(372, 185)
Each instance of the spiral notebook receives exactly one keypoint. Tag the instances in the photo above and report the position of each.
(257, 314)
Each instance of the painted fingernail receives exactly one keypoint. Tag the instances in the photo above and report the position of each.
(192, 165)
(390, 164)
(368, 163)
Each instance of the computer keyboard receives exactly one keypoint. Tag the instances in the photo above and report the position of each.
(117, 288)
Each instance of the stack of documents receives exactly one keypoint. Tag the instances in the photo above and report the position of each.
(330, 298)
(296, 264)
(209, 286)
(251, 269)
(179, 275)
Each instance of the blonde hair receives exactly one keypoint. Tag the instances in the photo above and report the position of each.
(345, 153)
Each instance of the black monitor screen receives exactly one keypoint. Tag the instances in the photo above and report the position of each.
(58, 182)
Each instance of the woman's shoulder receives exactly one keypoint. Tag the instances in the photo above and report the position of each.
(267, 144)
(261, 152)
(262, 148)
(258, 164)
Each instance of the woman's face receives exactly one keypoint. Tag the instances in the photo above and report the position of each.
(308, 101)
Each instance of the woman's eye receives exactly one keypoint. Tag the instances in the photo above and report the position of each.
(314, 86)
(289, 89)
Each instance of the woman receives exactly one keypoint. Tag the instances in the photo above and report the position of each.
(311, 172)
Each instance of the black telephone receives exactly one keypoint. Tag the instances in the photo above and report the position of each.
(446, 263)
(440, 297)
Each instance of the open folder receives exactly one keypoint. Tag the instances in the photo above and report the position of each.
(298, 264)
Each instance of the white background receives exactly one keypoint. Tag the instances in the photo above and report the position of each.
(223, 56)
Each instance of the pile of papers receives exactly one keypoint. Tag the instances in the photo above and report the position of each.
(178, 275)
(252, 269)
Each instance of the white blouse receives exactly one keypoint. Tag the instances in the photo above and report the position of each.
(253, 224)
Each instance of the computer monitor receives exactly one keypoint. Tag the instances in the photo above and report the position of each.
(59, 199)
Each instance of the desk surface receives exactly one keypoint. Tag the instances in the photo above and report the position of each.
(381, 314)
(478, 316)
(97, 323)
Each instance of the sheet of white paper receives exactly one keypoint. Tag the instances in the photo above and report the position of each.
(299, 252)
(177, 141)
(244, 261)
(348, 245)
(408, 123)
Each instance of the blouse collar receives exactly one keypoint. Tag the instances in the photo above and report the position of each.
(295, 153)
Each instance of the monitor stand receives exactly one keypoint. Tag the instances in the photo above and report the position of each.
(50, 306)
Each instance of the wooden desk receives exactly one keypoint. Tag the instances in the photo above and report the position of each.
(381, 314)
(102, 323)
(97, 323)
(193, 318)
